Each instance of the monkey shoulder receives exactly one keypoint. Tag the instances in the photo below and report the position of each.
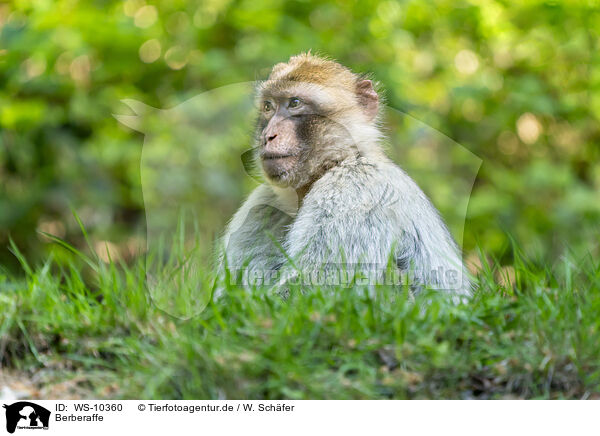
(263, 201)
(264, 210)
(363, 186)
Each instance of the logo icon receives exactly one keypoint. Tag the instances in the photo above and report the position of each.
(26, 415)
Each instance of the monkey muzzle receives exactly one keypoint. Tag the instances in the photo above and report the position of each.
(277, 165)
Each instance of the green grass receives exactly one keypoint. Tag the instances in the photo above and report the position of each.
(95, 326)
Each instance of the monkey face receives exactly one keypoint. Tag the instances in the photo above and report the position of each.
(306, 120)
(281, 149)
(293, 138)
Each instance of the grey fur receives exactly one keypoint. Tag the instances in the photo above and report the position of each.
(357, 214)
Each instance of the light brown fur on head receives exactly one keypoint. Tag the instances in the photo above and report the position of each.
(341, 124)
(307, 67)
(337, 85)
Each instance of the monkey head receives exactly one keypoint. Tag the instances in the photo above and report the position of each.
(313, 114)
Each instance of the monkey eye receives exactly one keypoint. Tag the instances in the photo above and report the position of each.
(267, 106)
(294, 102)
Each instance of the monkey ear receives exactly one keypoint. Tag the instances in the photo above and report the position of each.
(367, 97)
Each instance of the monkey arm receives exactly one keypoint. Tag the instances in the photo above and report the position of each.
(254, 236)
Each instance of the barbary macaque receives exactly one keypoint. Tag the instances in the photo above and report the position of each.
(331, 198)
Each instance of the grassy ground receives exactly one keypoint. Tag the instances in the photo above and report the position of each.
(536, 338)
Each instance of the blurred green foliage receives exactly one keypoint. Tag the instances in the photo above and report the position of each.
(516, 84)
